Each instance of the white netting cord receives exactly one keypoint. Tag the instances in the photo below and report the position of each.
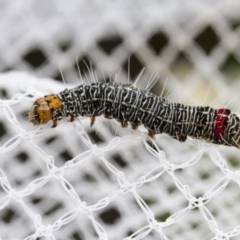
(58, 173)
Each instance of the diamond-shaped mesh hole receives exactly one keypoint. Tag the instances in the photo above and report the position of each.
(35, 57)
(3, 93)
(172, 189)
(37, 173)
(207, 39)
(181, 65)
(109, 44)
(54, 208)
(119, 160)
(158, 42)
(2, 130)
(8, 215)
(95, 137)
(163, 217)
(65, 45)
(84, 64)
(234, 23)
(22, 157)
(76, 236)
(50, 140)
(58, 76)
(135, 66)
(204, 175)
(149, 201)
(66, 155)
(230, 67)
(130, 232)
(88, 177)
(234, 161)
(110, 215)
(36, 200)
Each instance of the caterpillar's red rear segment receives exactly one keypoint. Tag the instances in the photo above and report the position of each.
(42, 110)
(220, 122)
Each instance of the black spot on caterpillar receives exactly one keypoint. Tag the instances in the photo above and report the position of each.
(127, 104)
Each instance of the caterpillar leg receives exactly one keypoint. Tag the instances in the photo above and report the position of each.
(180, 138)
(124, 124)
(92, 120)
(134, 127)
(151, 134)
(71, 118)
(54, 123)
(108, 116)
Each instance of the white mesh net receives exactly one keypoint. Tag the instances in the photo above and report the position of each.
(74, 182)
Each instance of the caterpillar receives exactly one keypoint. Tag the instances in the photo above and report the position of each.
(127, 104)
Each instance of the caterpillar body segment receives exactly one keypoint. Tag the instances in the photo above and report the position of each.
(127, 104)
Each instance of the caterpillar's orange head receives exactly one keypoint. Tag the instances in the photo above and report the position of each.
(42, 110)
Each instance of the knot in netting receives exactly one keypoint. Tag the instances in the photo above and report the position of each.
(140, 181)
(45, 231)
(16, 195)
(127, 187)
(234, 175)
(97, 151)
(83, 207)
(56, 172)
(169, 167)
(154, 224)
(196, 202)
(221, 236)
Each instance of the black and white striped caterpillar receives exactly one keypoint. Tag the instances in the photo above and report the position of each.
(127, 104)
